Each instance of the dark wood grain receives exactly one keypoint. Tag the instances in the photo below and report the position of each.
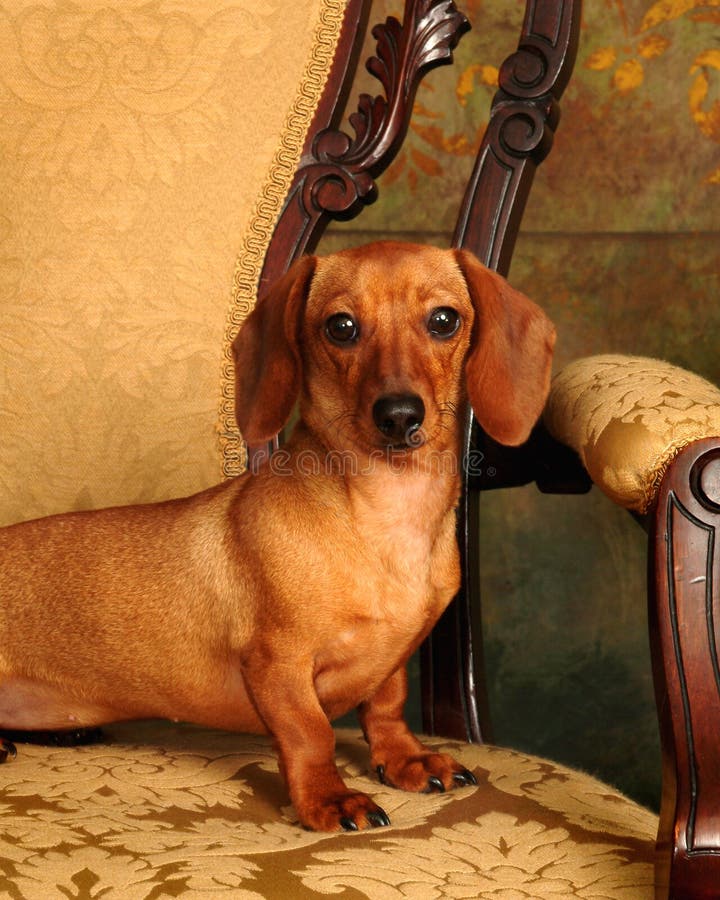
(454, 695)
(524, 115)
(523, 119)
(685, 630)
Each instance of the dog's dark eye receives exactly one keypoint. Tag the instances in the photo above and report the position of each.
(443, 322)
(342, 328)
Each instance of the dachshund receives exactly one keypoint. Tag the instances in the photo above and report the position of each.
(281, 599)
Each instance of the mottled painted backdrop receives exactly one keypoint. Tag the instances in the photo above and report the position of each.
(620, 245)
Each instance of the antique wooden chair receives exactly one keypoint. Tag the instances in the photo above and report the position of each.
(143, 147)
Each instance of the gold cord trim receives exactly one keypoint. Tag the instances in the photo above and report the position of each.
(257, 236)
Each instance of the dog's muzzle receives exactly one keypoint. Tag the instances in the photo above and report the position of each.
(399, 418)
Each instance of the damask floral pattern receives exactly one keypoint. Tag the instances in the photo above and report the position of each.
(101, 85)
(177, 810)
(627, 417)
(136, 141)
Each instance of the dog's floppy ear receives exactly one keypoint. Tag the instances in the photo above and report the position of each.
(267, 358)
(508, 367)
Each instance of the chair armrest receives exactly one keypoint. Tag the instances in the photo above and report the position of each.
(684, 611)
(648, 434)
(627, 417)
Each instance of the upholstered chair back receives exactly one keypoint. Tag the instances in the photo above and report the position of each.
(146, 152)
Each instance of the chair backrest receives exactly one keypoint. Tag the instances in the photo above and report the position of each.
(518, 137)
(147, 151)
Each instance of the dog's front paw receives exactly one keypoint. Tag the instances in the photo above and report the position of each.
(425, 773)
(347, 811)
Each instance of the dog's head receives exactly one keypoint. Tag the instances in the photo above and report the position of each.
(384, 343)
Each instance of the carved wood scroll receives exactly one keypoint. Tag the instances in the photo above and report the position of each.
(523, 118)
(336, 177)
(685, 631)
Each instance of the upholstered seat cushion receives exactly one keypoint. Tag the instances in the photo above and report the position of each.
(174, 810)
(627, 417)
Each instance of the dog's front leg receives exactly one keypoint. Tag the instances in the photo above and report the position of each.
(399, 758)
(285, 699)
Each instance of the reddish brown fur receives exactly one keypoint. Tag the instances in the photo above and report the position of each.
(282, 599)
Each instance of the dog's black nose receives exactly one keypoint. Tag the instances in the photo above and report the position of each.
(399, 417)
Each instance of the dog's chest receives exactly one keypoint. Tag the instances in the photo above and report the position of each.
(388, 610)
(405, 533)
(400, 573)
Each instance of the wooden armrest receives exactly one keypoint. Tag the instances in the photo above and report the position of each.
(684, 612)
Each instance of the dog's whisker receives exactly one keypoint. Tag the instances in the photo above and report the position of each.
(447, 410)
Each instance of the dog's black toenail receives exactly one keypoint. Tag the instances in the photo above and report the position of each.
(348, 824)
(435, 785)
(464, 778)
(383, 777)
(378, 819)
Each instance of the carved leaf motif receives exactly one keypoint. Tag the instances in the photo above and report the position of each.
(437, 34)
(384, 65)
(430, 31)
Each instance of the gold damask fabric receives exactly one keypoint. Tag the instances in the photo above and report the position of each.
(145, 152)
(627, 417)
(174, 810)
